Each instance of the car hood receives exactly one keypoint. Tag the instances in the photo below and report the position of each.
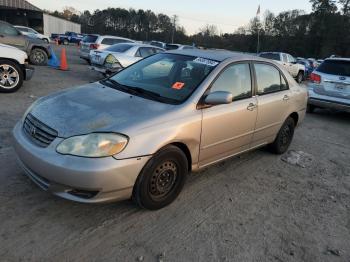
(97, 108)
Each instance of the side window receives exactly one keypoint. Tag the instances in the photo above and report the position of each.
(157, 50)
(107, 41)
(145, 52)
(235, 79)
(32, 31)
(284, 58)
(22, 29)
(291, 59)
(118, 41)
(269, 79)
(8, 30)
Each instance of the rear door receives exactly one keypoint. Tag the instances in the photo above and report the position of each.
(273, 101)
(335, 78)
(228, 129)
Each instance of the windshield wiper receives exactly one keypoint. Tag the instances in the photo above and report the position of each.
(136, 91)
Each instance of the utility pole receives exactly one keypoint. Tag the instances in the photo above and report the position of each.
(174, 28)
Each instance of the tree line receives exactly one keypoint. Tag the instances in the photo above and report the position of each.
(323, 32)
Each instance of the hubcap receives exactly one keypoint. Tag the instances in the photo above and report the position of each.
(163, 180)
(39, 57)
(9, 76)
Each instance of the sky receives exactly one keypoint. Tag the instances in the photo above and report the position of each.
(227, 15)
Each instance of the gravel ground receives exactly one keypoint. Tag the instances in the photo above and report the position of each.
(256, 207)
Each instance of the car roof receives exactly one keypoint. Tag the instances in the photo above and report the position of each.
(338, 59)
(140, 45)
(114, 37)
(217, 55)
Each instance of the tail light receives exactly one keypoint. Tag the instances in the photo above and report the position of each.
(94, 46)
(315, 78)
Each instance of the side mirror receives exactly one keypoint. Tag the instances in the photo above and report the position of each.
(219, 98)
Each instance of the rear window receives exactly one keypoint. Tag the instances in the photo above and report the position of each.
(335, 67)
(90, 39)
(271, 56)
(172, 47)
(119, 48)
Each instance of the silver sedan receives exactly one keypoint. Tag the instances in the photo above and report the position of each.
(140, 132)
(119, 56)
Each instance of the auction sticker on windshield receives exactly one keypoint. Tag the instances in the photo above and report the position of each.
(204, 61)
(178, 85)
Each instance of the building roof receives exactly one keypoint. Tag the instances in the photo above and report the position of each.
(22, 4)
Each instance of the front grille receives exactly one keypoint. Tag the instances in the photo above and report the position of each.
(38, 132)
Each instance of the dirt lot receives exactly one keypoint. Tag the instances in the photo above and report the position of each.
(256, 207)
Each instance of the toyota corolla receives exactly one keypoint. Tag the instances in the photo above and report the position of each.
(139, 133)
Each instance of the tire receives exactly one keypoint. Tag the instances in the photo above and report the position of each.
(11, 76)
(162, 179)
(310, 109)
(300, 77)
(65, 42)
(38, 57)
(284, 137)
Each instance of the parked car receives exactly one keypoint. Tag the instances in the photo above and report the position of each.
(31, 32)
(97, 42)
(178, 47)
(313, 62)
(289, 62)
(308, 67)
(158, 44)
(330, 87)
(140, 132)
(14, 68)
(116, 57)
(69, 38)
(37, 50)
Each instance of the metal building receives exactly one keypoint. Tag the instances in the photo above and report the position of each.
(21, 12)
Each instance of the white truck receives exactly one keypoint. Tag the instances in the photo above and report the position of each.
(289, 62)
(13, 68)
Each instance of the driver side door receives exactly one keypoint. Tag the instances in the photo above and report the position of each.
(228, 129)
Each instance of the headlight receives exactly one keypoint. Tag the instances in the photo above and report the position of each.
(93, 145)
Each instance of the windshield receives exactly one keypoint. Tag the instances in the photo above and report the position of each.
(119, 48)
(168, 78)
(271, 56)
(335, 67)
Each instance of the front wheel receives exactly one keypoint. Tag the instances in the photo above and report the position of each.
(65, 42)
(162, 179)
(284, 137)
(300, 77)
(38, 57)
(11, 76)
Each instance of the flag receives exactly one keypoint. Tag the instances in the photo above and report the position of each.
(258, 12)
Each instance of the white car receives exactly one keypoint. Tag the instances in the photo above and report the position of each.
(330, 85)
(32, 33)
(13, 68)
(119, 56)
(99, 42)
(296, 70)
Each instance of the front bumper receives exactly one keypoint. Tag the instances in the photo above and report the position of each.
(324, 101)
(101, 179)
(29, 72)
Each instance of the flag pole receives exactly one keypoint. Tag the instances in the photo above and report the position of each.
(258, 18)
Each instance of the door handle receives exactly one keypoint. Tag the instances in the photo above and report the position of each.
(251, 107)
(286, 98)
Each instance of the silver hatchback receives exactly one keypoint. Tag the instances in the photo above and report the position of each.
(140, 132)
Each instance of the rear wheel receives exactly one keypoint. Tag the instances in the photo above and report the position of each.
(11, 76)
(65, 42)
(38, 57)
(162, 179)
(284, 137)
(300, 77)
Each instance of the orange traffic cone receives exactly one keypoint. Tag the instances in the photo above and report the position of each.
(64, 65)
